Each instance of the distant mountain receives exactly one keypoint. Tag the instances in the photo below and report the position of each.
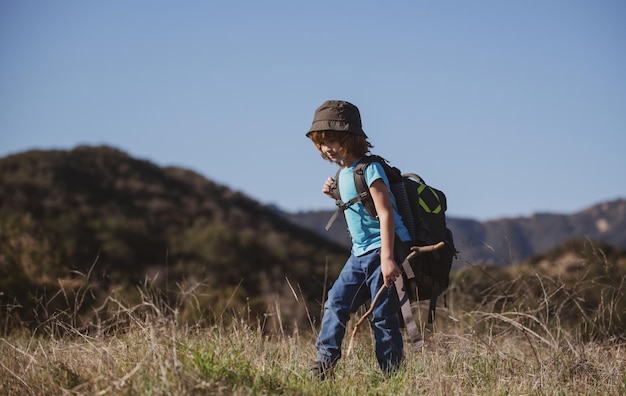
(509, 240)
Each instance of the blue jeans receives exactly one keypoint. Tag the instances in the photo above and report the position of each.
(359, 281)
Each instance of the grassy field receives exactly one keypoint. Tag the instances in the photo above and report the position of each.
(508, 332)
(476, 353)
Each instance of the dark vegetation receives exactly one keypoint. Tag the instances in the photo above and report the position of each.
(95, 219)
(579, 287)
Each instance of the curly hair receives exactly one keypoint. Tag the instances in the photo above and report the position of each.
(356, 145)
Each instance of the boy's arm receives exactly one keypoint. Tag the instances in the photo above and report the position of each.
(384, 209)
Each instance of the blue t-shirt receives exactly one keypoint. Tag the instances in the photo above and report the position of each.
(364, 229)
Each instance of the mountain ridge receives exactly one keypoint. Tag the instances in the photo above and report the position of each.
(506, 240)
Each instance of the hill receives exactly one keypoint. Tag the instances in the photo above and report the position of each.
(509, 240)
(97, 220)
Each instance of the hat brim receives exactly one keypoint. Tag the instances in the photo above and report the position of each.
(332, 125)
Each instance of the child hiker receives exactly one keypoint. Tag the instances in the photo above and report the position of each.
(338, 135)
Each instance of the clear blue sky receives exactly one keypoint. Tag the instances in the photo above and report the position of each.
(510, 107)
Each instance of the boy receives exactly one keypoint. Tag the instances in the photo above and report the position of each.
(337, 133)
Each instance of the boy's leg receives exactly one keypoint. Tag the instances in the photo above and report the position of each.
(386, 325)
(348, 293)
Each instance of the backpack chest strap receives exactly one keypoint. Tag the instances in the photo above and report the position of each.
(342, 206)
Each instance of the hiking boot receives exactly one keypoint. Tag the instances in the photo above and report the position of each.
(321, 371)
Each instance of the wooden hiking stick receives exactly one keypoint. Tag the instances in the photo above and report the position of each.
(416, 251)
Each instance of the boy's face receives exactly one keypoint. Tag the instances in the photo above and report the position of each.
(331, 148)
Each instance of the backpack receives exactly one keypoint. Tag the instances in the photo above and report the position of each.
(422, 209)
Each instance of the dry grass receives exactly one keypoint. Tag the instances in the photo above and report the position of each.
(154, 355)
(509, 343)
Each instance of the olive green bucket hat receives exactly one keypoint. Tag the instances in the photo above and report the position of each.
(337, 115)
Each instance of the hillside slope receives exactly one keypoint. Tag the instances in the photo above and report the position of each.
(96, 212)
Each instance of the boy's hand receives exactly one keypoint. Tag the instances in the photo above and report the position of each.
(328, 187)
(390, 271)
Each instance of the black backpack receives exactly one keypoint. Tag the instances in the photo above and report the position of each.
(422, 209)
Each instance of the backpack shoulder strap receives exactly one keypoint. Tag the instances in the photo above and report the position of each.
(393, 175)
(340, 205)
(335, 187)
(361, 187)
